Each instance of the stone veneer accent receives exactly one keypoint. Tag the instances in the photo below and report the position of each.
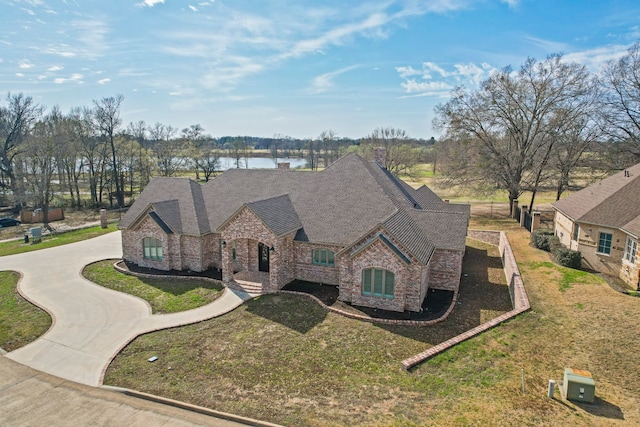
(516, 289)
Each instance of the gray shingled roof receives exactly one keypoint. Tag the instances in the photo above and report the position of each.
(336, 206)
(405, 230)
(277, 213)
(612, 202)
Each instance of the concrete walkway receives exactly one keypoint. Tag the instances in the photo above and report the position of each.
(32, 398)
(91, 324)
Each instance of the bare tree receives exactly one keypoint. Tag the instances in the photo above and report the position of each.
(138, 131)
(16, 121)
(166, 149)
(621, 105)
(107, 116)
(514, 119)
(40, 153)
(400, 149)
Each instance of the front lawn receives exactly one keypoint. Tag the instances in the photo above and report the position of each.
(164, 294)
(284, 359)
(20, 321)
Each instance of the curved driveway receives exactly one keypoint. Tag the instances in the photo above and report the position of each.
(90, 323)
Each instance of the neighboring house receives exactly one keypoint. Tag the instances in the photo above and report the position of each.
(353, 225)
(603, 222)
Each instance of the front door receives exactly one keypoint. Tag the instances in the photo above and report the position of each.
(263, 257)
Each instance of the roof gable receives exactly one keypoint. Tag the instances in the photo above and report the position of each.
(611, 202)
(277, 213)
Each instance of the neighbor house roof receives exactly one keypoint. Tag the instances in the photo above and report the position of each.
(335, 206)
(612, 202)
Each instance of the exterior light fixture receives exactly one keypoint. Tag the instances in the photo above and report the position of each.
(272, 249)
(224, 244)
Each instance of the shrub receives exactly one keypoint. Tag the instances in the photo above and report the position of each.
(541, 239)
(569, 258)
(555, 245)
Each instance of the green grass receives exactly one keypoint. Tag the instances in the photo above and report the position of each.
(20, 321)
(568, 277)
(285, 359)
(18, 246)
(165, 295)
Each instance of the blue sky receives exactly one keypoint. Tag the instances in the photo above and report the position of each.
(294, 68)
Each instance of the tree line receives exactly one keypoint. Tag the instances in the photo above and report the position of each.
(541, 126)
(87, 158)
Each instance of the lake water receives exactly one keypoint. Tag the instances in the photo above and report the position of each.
(261, 162)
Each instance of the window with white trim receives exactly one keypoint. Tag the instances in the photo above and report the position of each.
(604, 243)
(152, 248)
(631, 248)
(576, 231)
(324, 257)
(378, 282)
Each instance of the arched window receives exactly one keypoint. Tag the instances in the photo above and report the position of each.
(152, 248)
(323, 257)
(378, 282)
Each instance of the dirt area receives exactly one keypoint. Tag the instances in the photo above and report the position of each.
(434, 306)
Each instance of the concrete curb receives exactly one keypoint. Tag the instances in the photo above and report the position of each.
(190, 407)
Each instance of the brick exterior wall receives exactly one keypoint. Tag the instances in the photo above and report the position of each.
(180, 252)
(132, 245)
(410, 280)
(305, 269)
(293, 260)
(248, 231)
(445, 269)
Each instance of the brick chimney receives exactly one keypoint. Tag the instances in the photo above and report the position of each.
(381, 156)
(284, 165)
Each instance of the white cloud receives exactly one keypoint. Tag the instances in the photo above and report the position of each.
(472, 71)
(19, 75)
(25, 64)
(74, 78)
(104, 81)
(596, 59)
(193, 8)
(412, 86)
(324, 82)
(409, 71)
(435, 80)
(149, 3)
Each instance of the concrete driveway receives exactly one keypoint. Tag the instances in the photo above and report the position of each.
(90, 323)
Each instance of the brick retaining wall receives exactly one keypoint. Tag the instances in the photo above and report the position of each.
(518, 294)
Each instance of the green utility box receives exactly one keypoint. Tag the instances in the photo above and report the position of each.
(578, 385)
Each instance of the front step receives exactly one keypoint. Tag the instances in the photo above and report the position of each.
(253, 288)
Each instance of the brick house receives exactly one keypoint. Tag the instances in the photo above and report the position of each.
(602, 221)
(353, 225)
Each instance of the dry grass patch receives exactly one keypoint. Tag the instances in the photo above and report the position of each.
(285, 359)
